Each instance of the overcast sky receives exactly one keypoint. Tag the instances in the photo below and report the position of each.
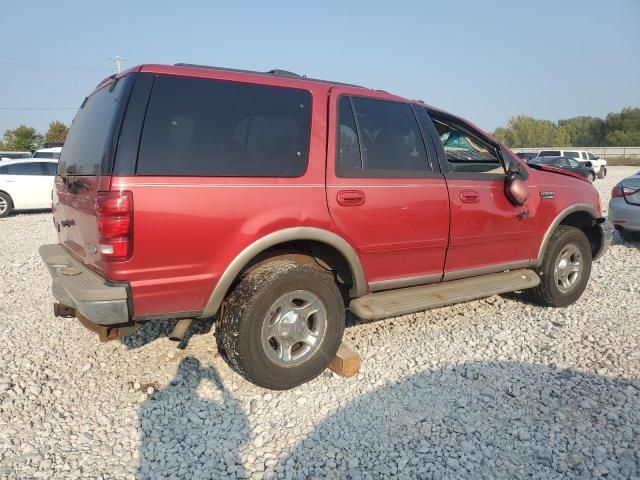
(484, 60)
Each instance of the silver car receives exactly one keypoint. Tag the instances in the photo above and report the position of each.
(624, 207)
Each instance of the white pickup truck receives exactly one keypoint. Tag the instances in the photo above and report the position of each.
(599, 165)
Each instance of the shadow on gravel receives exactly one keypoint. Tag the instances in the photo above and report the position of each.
(617, 240)
(155, 329)
(476, 420)
(192, 428)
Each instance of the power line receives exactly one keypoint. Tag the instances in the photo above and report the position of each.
(54, 67)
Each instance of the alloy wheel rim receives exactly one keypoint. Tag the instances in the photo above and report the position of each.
(568, 268)
(294, 328)
(3, 205)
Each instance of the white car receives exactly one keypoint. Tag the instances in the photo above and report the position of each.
(26, 184)
(53, 153)
(599, 165)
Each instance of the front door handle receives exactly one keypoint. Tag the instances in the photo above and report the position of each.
(469, 196)
(350, 198)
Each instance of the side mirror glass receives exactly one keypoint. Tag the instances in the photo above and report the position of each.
(516, 189)
(588, 164)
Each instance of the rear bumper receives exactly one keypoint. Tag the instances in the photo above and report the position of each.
(624, 215)
(74, 285)
(606, 230)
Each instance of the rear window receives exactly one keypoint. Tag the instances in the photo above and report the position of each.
(53, 155)
(31, 168)
(549, 153)
(201, 127)
(571, 154)
(91, 133)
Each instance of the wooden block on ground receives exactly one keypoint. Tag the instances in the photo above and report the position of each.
(346, 362)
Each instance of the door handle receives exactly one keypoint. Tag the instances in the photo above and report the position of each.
(469, 196)
(350, 198)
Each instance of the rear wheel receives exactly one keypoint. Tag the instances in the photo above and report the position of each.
(283, 324)
(602, 172)
(565, 268)
(6, 205)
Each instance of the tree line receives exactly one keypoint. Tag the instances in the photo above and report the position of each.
(23, 138)
(621, 129)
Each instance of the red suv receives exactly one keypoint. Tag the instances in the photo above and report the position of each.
(276, 201)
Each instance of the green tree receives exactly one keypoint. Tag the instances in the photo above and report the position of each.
(523, 131)
(57, 132)
(585, 131)
(22, 138)
(623, 129)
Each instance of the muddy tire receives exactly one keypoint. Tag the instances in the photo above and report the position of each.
(565, 268)
(283, 324)
(6, 205)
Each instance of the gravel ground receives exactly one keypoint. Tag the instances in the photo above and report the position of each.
(495, 388)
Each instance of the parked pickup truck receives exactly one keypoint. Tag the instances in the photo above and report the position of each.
(275, 201)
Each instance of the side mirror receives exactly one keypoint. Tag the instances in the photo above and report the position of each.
(588, 164)
(516, 189)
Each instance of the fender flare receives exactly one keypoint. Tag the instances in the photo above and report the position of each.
(578, 207)
(280, 236)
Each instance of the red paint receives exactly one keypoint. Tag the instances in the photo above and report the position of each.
(185, 231)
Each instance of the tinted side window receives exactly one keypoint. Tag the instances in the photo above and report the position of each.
(549, 153)
(200, 127)
(30, 168)
(571, 154)
(4, 170)
(466, 152)
(592, 157)
(391, 141)
(349, 162)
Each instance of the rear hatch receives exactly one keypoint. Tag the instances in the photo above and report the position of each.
(85, 167)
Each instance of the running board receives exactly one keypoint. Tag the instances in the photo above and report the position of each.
(402, 301)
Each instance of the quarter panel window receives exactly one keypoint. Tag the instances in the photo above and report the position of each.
(201, 127)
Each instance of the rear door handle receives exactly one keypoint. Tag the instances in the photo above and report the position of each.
(350, 198)
(469, 196)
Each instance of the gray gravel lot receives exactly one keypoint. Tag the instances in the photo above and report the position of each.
(496, 388)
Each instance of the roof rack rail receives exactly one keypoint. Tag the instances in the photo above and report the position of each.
(274, 72)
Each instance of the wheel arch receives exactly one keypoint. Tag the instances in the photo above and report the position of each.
(582, 216)
(323, 242)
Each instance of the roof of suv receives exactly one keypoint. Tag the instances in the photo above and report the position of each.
(282, 77)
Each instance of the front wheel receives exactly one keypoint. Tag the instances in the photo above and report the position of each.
(283, 324)
(591, 177)
(565, 268)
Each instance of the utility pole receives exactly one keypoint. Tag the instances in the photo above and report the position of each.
(117, 61)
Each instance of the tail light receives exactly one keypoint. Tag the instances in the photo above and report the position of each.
(617, 191)
(114, 214)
